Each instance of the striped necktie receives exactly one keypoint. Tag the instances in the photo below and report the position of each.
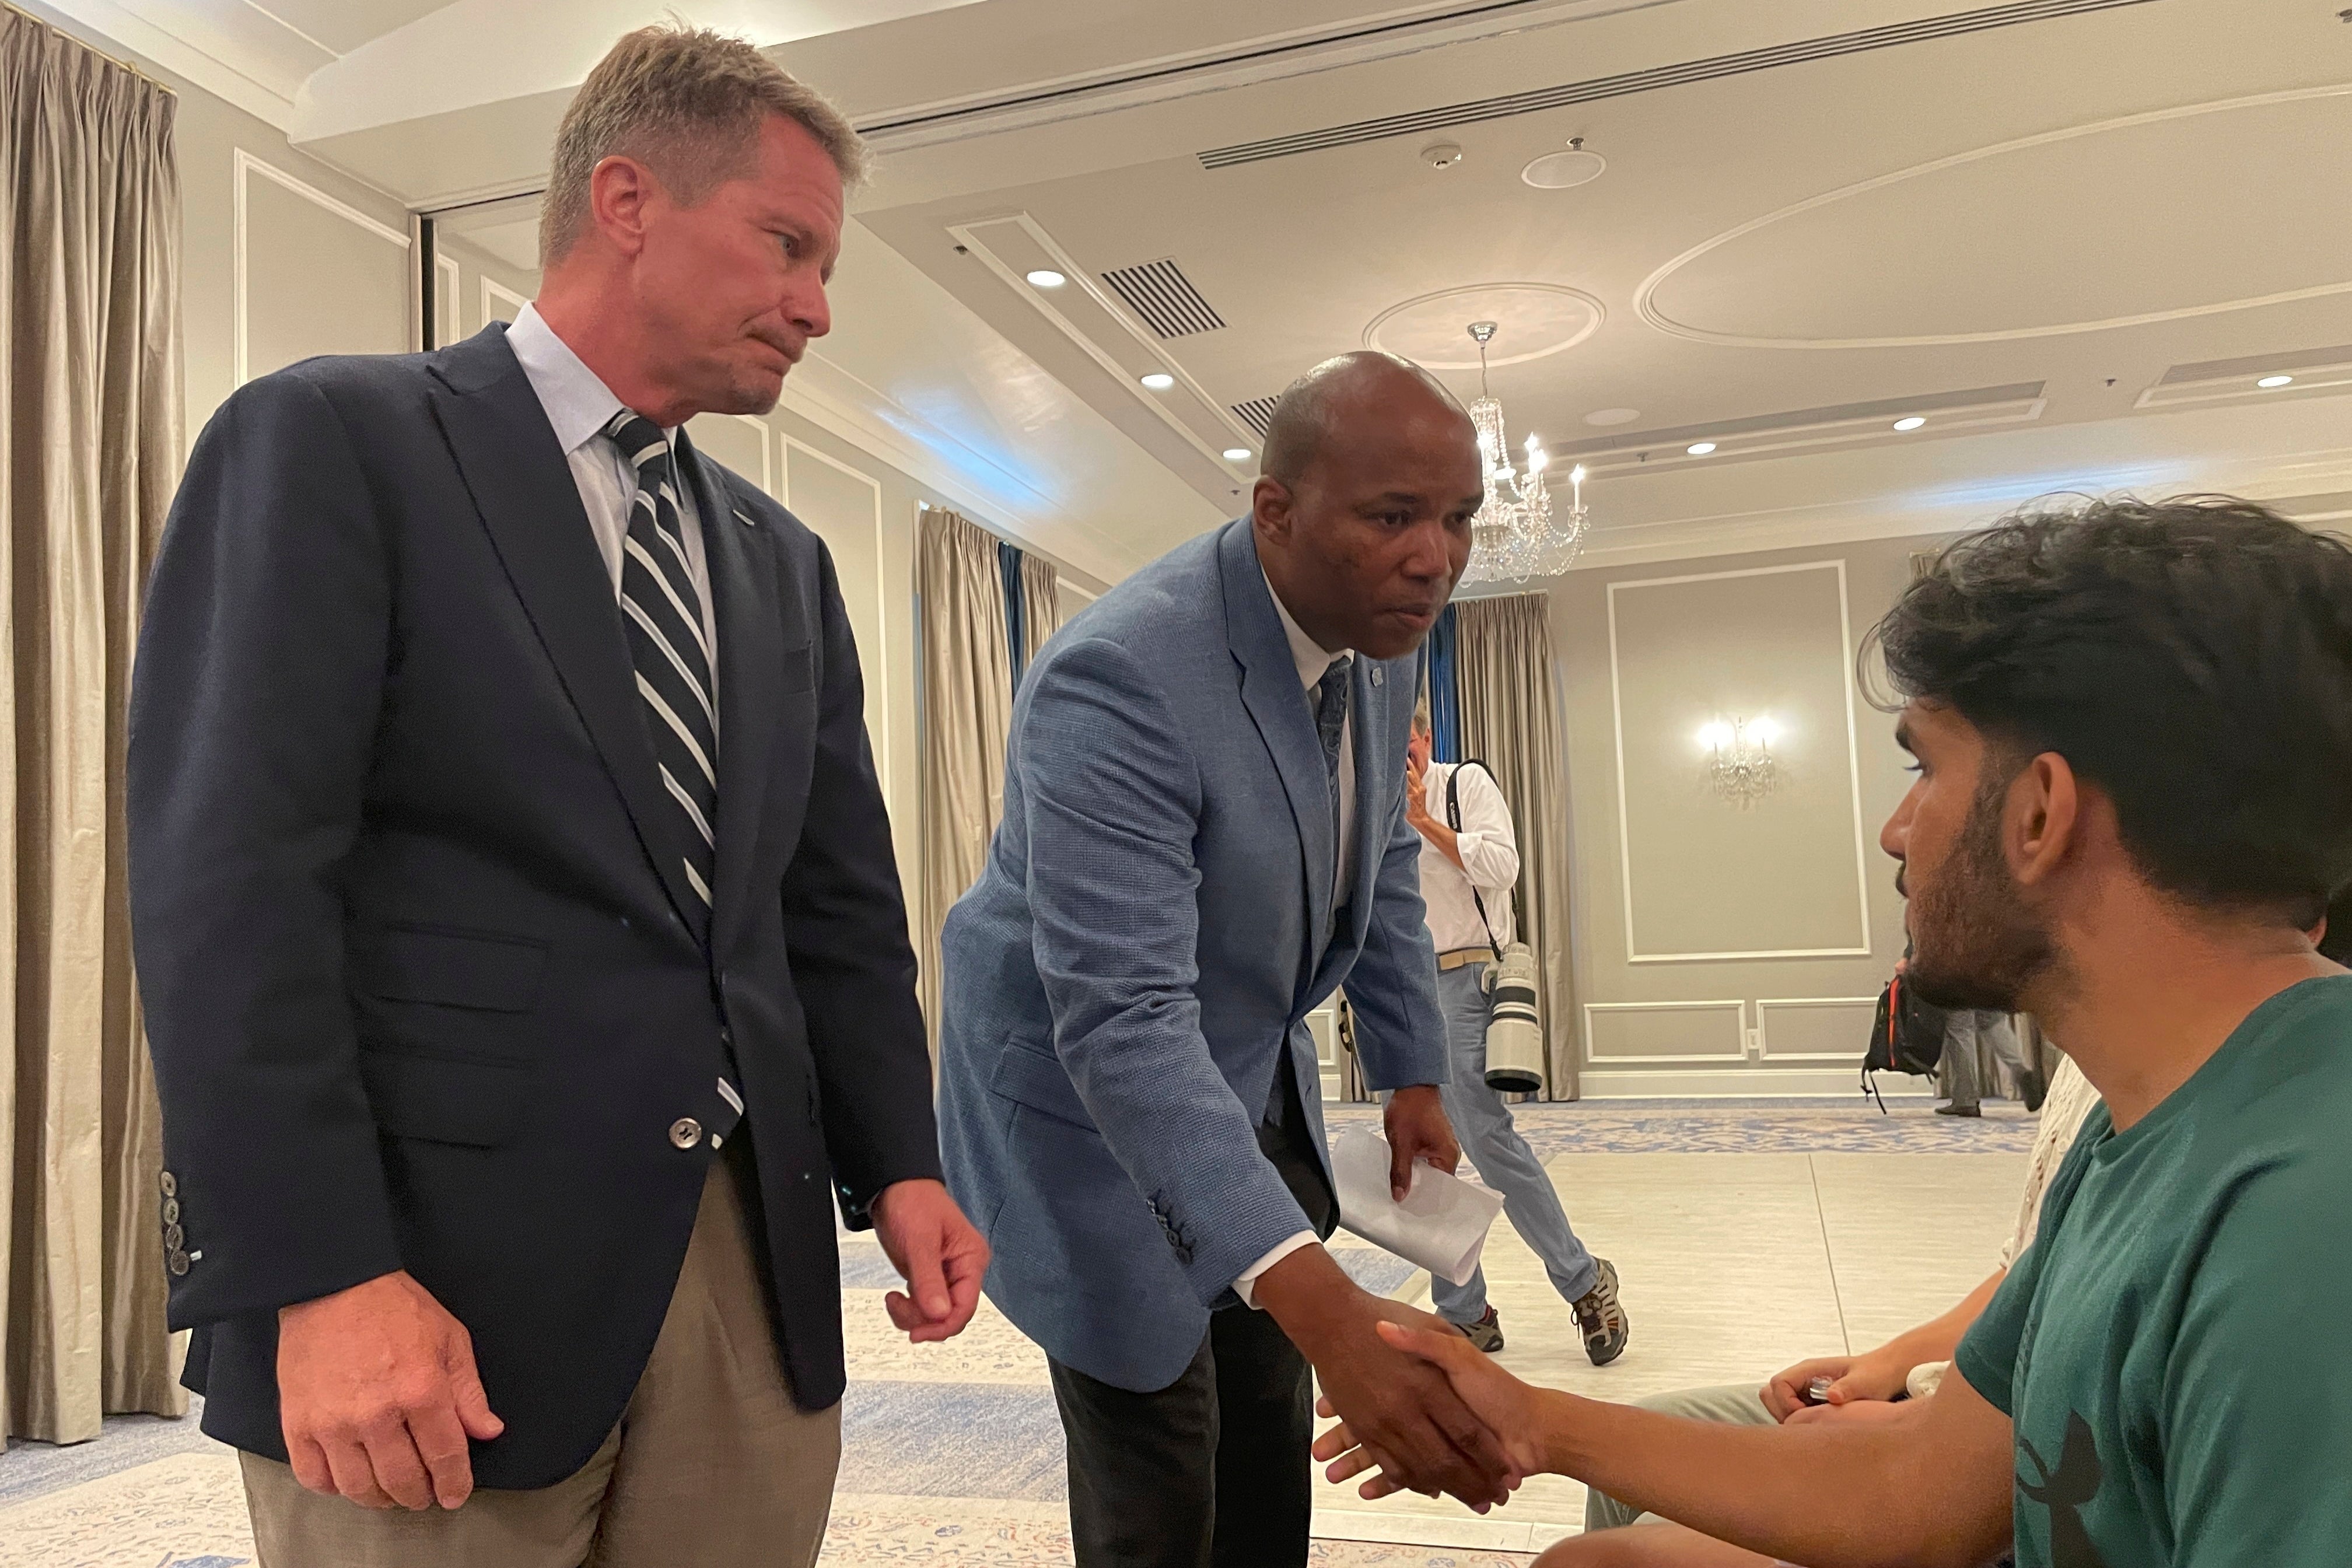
(662, 612)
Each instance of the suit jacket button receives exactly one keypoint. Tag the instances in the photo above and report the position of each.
(171, 1210)
(171, 1186)
(177, 1262)
(173, 1235)
(686, 1132)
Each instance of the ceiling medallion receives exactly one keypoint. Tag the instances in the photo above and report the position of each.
(1514, 535)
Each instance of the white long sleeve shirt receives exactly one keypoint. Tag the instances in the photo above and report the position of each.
(1490, 860)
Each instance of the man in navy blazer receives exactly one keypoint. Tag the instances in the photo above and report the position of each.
(1203, 835)
(521, 939)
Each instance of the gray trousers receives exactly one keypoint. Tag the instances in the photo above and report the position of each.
(1968, 1029)
(1483, 1123)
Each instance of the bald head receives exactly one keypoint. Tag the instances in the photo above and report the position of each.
(1363, 502)
(1340, 393)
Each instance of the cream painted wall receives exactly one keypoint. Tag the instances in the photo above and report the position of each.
(281, 258)
(1696, 640)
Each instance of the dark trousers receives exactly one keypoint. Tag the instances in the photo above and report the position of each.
(1212, 1471)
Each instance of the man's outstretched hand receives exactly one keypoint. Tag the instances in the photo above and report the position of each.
(939, 1253)
(1399, 1403)
(377, 1394)
(1507, 1409)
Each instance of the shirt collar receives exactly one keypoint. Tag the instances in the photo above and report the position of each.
(578, 403)
(1313, 658)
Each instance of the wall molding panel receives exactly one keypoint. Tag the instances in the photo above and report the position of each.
(877, 684)
(494, 293)
(1736, 1056)
(1851, 772)
(241, 251)
(1861, 1010)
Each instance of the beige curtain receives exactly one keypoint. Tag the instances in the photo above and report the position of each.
(967, 714)
(1041, 606)
(1510, 721)
(90, 388)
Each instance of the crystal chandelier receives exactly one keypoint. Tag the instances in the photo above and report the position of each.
(1515, 536)
(1739, 759)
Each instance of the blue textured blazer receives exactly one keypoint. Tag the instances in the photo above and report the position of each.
(1139, 957)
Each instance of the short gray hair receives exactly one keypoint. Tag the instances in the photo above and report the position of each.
(688, 103)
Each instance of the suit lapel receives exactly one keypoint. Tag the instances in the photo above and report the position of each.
(1277, 705)
(750, 648)
(528, 502)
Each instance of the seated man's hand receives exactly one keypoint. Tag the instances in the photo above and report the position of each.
(1400, 1404)
(1852, 1378)
(1501, 1403)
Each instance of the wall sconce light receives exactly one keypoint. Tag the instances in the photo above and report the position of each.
(1740, 758)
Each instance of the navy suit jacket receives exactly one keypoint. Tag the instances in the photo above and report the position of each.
(1137, 959)
(418, 987)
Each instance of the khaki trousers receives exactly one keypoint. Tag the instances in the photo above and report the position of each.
(711, 1463)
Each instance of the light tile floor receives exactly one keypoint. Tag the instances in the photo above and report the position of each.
(1733, 1265)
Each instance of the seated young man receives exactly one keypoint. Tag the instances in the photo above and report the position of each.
(1864, 1388)
(2133, 727)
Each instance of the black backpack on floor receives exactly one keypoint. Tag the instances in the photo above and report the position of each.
(1907, 1037)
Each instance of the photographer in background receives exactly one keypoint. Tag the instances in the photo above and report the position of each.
(1469, 864)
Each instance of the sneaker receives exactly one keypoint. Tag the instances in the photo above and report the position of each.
(1602, 1318)
(1487, 1333)
(1958, 1110)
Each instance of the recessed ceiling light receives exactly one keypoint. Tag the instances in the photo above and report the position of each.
(1159, 381)
(1699, 448)
(1237, 453)
(1564, 170)
(1911, 423)
(1046, 277)
(2276, 381)
(1606, 417)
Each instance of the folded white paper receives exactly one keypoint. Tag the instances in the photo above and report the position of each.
(1442, 1223)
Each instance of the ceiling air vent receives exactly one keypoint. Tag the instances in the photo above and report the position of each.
(1257, 414)
(1161, 293)
(1712, 69)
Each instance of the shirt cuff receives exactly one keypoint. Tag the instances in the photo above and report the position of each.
(1246, 1286)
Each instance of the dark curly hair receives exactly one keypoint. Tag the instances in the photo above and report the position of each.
(2191, 657)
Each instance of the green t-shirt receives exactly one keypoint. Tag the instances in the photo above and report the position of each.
(2172, 1348)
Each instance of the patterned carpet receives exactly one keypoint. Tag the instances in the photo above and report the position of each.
(1752, 1127)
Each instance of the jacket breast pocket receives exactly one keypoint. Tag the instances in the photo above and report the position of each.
(1036, 1078)
(450, 967)
(444, 1099)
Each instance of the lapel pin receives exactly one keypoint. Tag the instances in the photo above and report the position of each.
(1377, 674)
(745, 518)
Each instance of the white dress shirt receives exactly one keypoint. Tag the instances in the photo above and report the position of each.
(1490, 861)
(579, 405)
(1314, 662)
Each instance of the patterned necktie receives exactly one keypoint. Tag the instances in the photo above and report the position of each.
(663, 614)
(1331, 720)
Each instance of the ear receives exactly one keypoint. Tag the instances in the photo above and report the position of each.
(620, 190)
(2043, 822)
(1270, 504)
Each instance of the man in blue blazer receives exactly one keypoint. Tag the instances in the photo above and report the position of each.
(1203, 835)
